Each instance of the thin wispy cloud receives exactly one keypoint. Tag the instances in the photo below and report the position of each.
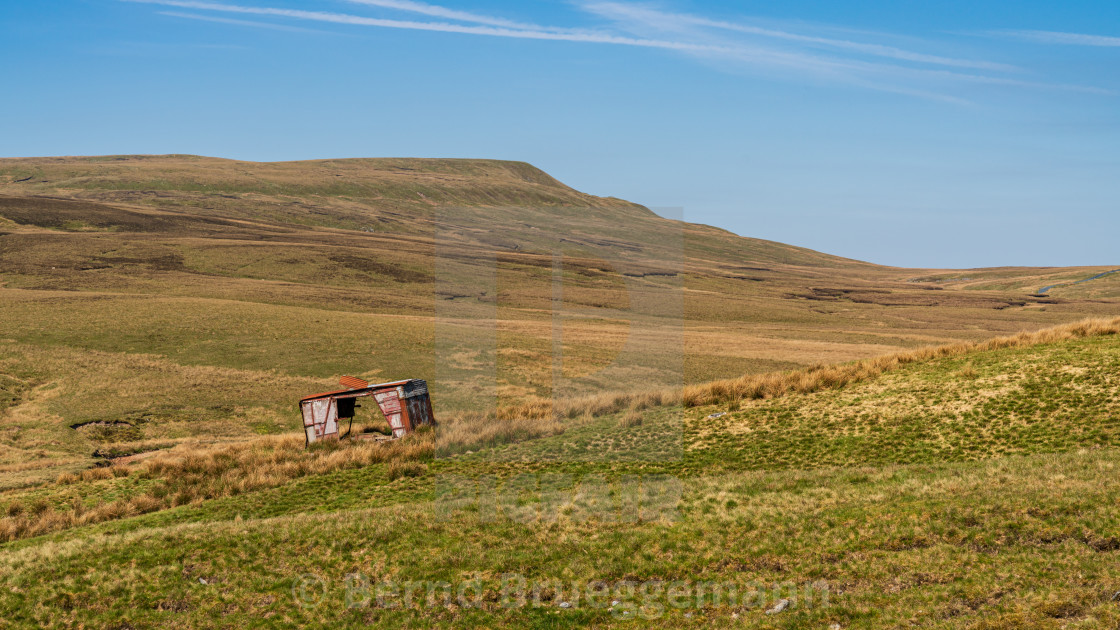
(441, 27)
(236, 22)
(641, 15)
(592, 37)
(1040, 85)
(445, 13)
(739, 46)
(1066, 39)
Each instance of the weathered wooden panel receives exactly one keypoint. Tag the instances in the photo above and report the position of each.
(320, 419)
(390, 403)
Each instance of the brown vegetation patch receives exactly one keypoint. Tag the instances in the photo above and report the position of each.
(71, 215)
(369, 265)
(190, 474)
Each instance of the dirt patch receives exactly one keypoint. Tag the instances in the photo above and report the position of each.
(128, 459)
(885, 297)
(109, 431)
(77, 216)
(368, 265)
(162, 262)
(99, 423)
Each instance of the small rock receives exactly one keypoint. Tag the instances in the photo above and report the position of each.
(1116, 596)
(202, 581)
(688, 615)
(565, 605)
(779, 607)
(734, 615)
(834, 626)
(615, 603)
(716, 415)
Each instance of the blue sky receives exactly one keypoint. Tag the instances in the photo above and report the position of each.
(944, 133)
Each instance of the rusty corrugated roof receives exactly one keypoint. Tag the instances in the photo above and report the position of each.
(353, 382)
(353, 391)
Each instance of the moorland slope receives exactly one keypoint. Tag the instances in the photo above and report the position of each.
(962, 488)
(148, 301)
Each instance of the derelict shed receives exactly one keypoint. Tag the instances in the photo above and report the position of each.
(405, 405)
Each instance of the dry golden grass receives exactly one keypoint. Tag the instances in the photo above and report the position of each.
(66, 479)
(631, 419)
(465, 430)
(831, 377)
(540, 418)
(191, 474)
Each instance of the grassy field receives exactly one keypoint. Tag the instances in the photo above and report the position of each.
(972, 490)
(628, 404)
(123, 278)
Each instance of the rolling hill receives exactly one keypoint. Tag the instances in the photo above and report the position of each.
(148, 301)
(628, 405)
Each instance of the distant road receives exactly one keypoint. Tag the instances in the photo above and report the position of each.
(1045, 290)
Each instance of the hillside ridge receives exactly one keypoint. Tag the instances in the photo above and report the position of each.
(348, 193)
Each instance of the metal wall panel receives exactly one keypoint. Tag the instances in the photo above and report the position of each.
(320, 419)
(390, 403)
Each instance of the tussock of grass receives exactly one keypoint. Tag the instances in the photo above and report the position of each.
(188, 475)
(631, 419)
(399, 469)
(540, 418)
